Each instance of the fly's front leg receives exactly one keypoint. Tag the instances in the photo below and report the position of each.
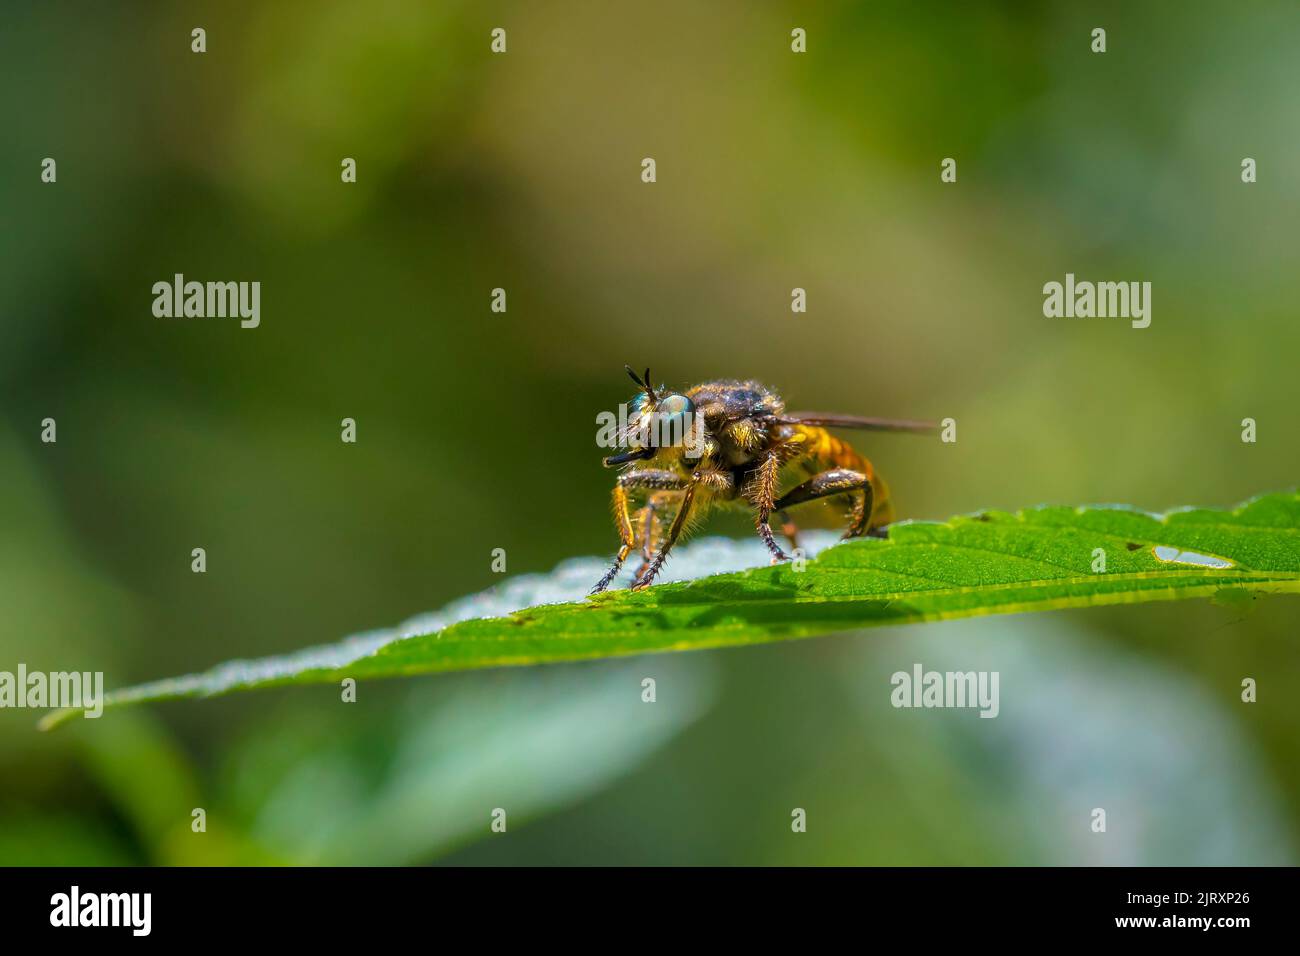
(650, 523)
(651, 478)
(625, 536)
(674, 532)
(710, 484)
(836, 481)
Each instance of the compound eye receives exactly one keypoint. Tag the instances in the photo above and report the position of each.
(676, 419)
(673, 406)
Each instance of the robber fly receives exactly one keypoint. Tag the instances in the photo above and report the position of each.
(733, 443)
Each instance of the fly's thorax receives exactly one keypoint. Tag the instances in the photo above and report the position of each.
(733, 413)
(725, 401)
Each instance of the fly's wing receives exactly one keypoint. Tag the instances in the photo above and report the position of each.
(826, 420)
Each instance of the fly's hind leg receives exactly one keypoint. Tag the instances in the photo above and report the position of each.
(836, 481)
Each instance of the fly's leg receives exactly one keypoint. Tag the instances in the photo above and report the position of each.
(674, 532)
(650, 523)
(763, 491)
(712, 484)
(648, 478)
(837, 481)
(625, 537)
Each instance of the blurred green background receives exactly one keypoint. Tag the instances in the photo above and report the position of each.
(475, 429)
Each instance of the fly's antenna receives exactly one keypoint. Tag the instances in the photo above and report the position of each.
(642, 381)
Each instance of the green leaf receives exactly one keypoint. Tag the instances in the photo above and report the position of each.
(990, 563)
